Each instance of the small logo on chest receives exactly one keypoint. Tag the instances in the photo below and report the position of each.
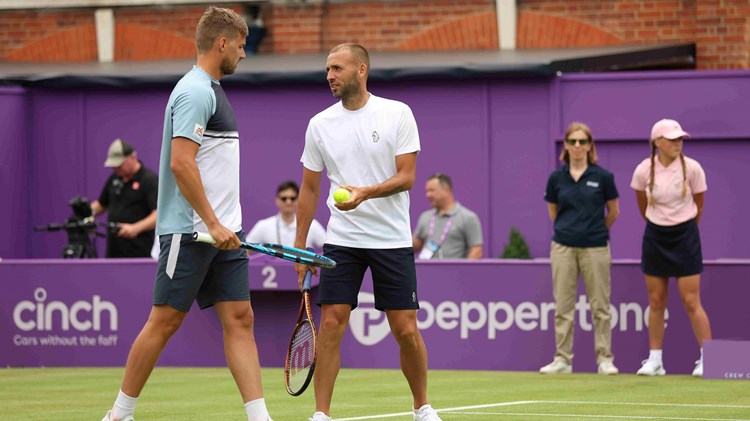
(593, 184)
(375, 136)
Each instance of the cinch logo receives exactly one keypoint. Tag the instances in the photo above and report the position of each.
(370, 326)
(82, 315)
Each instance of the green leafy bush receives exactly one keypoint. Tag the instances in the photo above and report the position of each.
(516, 248)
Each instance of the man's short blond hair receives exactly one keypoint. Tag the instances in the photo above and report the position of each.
(215, 23)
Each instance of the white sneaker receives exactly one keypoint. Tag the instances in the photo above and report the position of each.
(319, 416)
(426, 413)
(557, 367)
(698, 371)
(651, 368)
(607, 368)
(108, 417)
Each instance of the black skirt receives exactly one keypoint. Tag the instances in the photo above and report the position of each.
(672, 251)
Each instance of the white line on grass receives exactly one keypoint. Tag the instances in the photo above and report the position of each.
(463, 409)
(577, 416)
(703, 405)
(459, 408)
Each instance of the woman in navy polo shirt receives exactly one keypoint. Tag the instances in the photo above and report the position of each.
(577, 196)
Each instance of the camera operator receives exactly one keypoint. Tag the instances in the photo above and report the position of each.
(129, 197)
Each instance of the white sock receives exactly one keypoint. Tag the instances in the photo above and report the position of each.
(421, 408)
(701, 354)
(124, 406)
(256, 410)
(655, 355)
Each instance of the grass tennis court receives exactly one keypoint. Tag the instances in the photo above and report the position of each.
(210, 394)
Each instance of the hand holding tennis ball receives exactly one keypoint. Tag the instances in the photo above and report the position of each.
(341, 195)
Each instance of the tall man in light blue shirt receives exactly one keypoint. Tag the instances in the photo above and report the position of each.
(199, 191)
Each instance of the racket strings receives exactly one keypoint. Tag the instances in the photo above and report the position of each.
(301, 356)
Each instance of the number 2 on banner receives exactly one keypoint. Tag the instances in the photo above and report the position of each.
(270, 273)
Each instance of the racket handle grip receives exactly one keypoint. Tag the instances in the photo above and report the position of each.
(203, 237)
(307, 282)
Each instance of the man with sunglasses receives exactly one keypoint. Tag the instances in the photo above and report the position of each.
(282, 227)
(129, 196)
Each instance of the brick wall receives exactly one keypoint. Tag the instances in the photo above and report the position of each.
(47, 36)
(721, 28)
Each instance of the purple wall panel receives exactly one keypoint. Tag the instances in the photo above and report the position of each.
(57, 162)
(272, 123)
(495, 138)
(453, 134)
(625, 105)
(520, 151)
(724, 227)
(13, 172)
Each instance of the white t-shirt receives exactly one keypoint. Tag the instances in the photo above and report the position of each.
(274, 230)
(359, 148)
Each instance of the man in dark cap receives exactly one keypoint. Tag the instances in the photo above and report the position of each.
(129, 197)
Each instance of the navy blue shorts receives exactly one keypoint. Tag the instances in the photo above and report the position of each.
(672, 251)
(189, 270)
(394, 277)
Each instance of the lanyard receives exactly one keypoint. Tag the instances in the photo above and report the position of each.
(278, 230)
(445, 230)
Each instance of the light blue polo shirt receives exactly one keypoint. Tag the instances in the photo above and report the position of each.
(198, 110)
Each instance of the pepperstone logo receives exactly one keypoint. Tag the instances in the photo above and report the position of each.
(369, 325)
(470, 318)
(50, 318)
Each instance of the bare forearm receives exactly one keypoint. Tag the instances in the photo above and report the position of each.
(308, 200)
(417, 243)
(475, 252)
(699, 200)
(609, 220)
(148, 223)
(305, 215)
(97, 208)
(613, 211)
(188, 179)
(642, 199)
(396, 184)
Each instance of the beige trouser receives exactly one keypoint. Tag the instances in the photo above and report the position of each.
(594, 264)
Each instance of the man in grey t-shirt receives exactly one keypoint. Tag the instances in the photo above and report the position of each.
(449, 230)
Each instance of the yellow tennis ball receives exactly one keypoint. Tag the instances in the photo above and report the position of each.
(341, 195)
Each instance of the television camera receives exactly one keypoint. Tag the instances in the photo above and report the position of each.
(81, 229)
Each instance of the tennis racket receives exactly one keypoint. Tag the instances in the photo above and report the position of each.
(306, 257)
(303, 347)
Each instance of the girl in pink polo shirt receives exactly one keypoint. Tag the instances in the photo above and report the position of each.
(669, 188)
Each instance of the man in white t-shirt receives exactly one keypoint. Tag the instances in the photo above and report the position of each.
(282, 227)
(367, 145)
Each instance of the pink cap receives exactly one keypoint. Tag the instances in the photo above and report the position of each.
(668, 129)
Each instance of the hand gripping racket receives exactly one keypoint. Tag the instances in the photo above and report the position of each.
(303, 347)
(306, 257)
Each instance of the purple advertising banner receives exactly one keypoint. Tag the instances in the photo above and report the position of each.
(726, 360)
(487, 315)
